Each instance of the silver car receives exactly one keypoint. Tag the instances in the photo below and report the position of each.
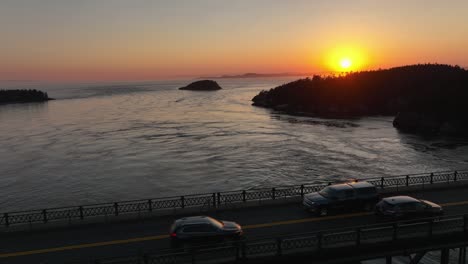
(404, 207)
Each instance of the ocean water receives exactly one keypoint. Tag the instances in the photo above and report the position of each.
(104, 142)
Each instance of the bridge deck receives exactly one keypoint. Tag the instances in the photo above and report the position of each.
(100, 240)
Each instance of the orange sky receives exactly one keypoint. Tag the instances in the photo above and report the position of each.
(141, 40)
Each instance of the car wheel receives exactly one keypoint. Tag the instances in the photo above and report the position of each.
(323, 211)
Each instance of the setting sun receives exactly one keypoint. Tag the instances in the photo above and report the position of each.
(345, 63)
(345, 59)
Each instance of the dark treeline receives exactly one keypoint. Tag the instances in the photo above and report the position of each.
(23, 96)
(426, 97)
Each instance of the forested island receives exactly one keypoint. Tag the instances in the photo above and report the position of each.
(203, 85)
(23, 96)
(424, 98)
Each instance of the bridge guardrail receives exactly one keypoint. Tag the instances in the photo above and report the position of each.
(214, 200)
(315, 242)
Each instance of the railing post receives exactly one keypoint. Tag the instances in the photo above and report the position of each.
(243, 196)
(455, 176)
(388, 260)
(214, 200)
(448, 177)
(81, 212)
(382, 182)
(432, 178)
(358, 236)
(182, 201)
(44, 215)
(278, 247)
(407, 180)
(150, 205)
(395, 231)
(302, 190)
(444, 256)
(273, 193)
(116, 209)
(462, 255)
(219, 199)
(7, 221)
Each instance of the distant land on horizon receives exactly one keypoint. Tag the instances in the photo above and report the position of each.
(257, 75)
(282, 74)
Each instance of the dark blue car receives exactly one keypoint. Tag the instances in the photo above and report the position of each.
(342, 197)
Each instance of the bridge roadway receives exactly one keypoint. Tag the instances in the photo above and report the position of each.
(88, 242)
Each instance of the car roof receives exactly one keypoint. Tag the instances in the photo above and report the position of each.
(400, 199)
(192, 220)
(340, 187)
(361, 184)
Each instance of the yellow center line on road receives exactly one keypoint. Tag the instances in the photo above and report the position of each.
(304, 220)
(159, 237)
(454, 204)
(97, 244)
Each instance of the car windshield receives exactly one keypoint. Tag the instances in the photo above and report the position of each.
(425, 204)
(216, 223)
(388, 206)
(326, 192)
(366, 191)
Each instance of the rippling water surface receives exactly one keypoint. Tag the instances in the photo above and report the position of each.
(107, 142)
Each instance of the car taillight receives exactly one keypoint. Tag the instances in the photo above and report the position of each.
(173, 234)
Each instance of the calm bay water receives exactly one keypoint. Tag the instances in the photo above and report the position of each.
(109, 142)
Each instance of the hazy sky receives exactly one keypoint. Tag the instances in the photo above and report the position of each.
(151, 39)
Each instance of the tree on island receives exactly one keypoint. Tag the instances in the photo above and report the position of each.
(23, 96)
(427, 98)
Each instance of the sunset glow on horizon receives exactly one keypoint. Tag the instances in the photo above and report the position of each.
(143, 40)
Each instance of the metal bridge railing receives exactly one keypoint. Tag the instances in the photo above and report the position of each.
(311, 243)
(210, 200)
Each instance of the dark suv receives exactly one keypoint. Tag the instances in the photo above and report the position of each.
(346, 196)
(202, 230)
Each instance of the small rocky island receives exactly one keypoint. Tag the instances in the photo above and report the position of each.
(425, 98)
(203, 85)
(23, 96)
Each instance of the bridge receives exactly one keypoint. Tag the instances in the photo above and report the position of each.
(275, 225)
